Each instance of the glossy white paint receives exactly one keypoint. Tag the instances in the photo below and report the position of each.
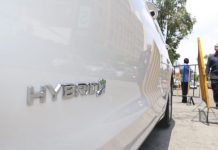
(70, 41)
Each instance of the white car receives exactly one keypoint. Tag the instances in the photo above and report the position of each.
(193, 84)
(79, 74)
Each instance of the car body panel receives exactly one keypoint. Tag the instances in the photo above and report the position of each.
(47, 42)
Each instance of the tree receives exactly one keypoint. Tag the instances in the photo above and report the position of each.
(175, 22)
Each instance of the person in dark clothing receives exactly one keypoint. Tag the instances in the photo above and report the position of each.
(184, 78)
(212, 69)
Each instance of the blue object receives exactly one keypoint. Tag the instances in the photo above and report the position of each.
(184, 71)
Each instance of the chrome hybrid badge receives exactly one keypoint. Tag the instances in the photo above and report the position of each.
(69, 91)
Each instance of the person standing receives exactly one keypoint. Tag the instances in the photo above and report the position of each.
(212, 69)
(184, 78)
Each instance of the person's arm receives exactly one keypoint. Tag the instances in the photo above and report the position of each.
(209, 63)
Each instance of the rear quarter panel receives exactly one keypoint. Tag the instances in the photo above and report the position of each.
(62, 42)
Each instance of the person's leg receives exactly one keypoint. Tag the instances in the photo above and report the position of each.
(184, 98)
(185, 91)
(214, 85)
(182, 90)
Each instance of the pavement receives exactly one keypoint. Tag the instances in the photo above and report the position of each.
(187, 131)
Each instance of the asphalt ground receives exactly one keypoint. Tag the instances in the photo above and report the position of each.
(188, 131)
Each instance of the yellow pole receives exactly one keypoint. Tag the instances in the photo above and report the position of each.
(202, 75)
(178, 86)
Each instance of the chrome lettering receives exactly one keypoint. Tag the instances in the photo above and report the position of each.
(32, 95)
(101, 88)
(83, 89)
(54, 92)
(69, 91)
(93, 87)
